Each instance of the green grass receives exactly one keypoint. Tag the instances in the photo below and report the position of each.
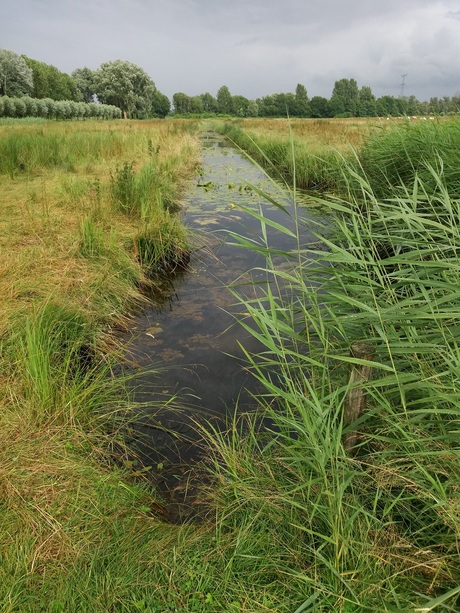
(317, 156)
(309, 153)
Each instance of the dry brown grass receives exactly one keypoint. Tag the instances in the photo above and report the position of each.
(317, 133)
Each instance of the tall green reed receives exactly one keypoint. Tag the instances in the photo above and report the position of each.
(395, 157)
(378, 530)
(161, 245)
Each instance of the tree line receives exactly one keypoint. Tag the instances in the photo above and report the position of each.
(127, 87)
(347, 100)
(119, 84)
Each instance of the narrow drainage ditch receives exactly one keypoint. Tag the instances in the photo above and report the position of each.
(186, 352)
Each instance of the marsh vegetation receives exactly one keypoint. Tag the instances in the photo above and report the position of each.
(294, 522)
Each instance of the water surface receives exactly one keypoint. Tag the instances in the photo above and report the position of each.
(190, 347)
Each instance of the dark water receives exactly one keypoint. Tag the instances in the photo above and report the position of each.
(189, 348)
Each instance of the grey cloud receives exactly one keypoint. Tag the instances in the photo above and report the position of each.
(256, 48)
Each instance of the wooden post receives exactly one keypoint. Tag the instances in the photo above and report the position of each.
(355, 402)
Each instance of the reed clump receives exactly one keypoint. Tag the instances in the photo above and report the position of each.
(425, 150)
(376, 530)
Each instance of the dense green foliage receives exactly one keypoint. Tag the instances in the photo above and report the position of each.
(84, 79)
(425, 150)
(121, 84)
(347, 100)
(49, 82)
(47, 108)
(126, 86)
(379, 530)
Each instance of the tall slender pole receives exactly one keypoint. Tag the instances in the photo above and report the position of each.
(403, 84)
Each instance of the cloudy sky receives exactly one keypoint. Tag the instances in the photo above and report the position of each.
(255, 47)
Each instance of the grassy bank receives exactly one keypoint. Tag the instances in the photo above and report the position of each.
(313, 153)
(317, 145)
(377, 529)
(87, 217)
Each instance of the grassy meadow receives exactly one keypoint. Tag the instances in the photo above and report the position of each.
(296, 522)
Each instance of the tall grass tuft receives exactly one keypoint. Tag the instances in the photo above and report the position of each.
(378, 530)
(51, 349)
(163, 247)
(397, 156)
(91, 238)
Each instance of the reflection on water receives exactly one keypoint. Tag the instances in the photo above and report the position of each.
(194, 343)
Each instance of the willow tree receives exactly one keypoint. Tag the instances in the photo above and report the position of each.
(15, 76)
(126, 86)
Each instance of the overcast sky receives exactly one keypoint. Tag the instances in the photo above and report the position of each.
(255, 47)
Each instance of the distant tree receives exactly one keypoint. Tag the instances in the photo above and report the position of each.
(196, 104)
(160, 105)
(439, 106)
(366, 103)
(49, 82)
(31, 106)
(240, 106)
(424, 108)
(345, 97)
(413, 106)
(278, 105)
(253, 109)
(16, 77)
(62, 85)
(85, 82)
(126, 86)
(209, 103)
(9, 107)
(388, 105)
(302, 106)
(319, 107)
(182, 103)
(445, 104)
(335, 106)
(287, 104)
(267, 106)
(224, 100)
(454, 104)
(20, 107)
